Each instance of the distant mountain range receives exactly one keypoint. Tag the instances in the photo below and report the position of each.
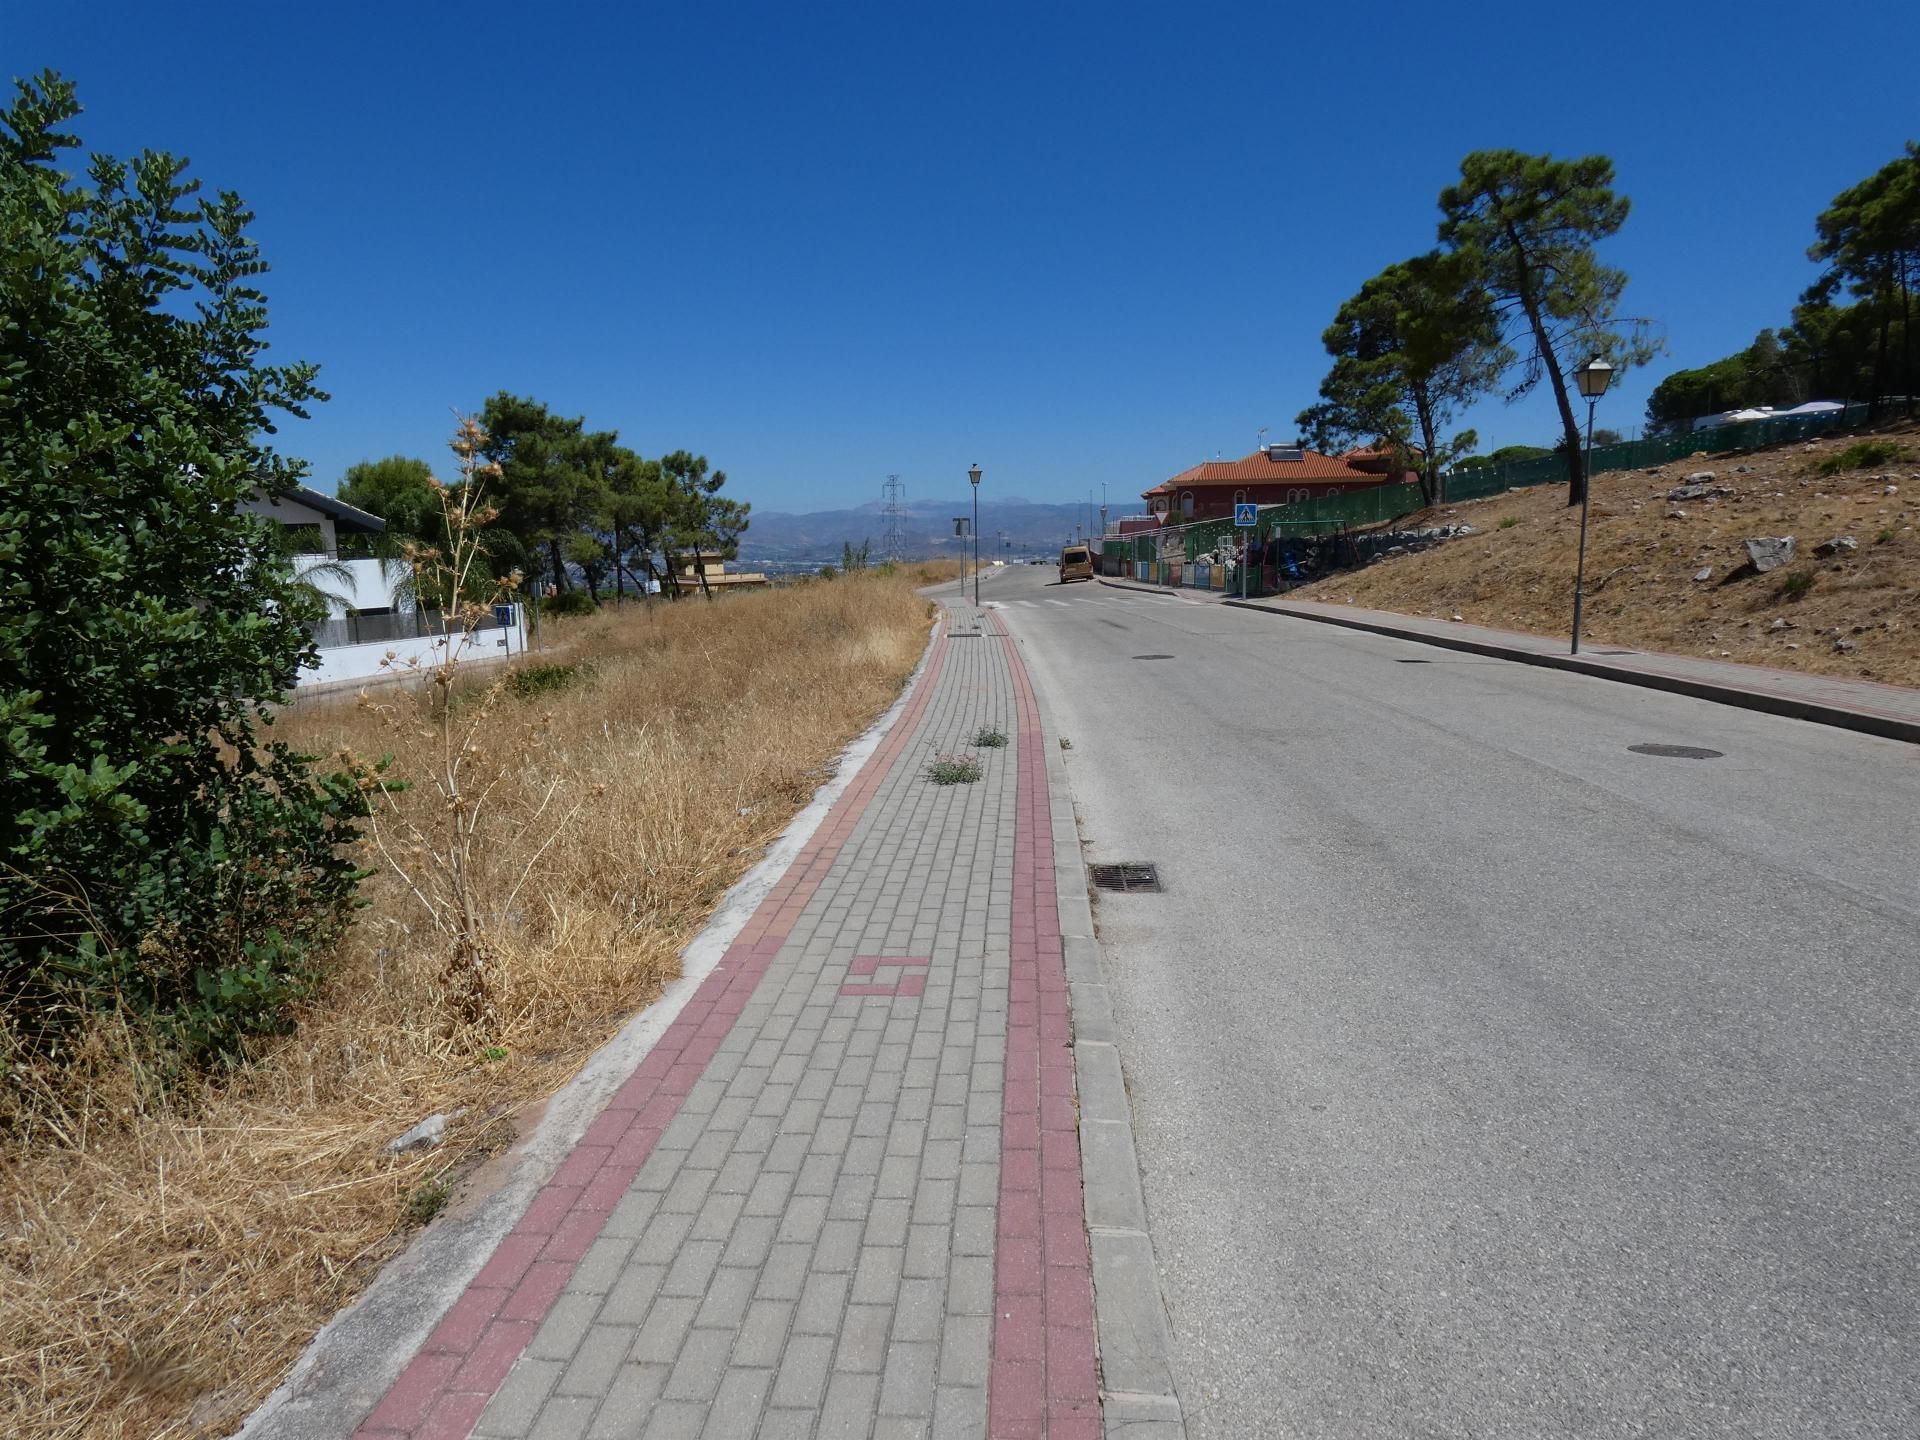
(926, 529)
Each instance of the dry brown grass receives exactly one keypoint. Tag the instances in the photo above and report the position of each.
(162, 1263)
(1641, 560)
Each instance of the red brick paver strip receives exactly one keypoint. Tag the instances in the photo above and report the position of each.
(842, 1194)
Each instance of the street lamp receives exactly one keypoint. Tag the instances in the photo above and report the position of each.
(973, 474)
(1592, 379)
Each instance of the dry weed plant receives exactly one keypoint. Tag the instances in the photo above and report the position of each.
(164, 1255)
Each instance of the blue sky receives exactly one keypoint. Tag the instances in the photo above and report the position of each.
(819, 243)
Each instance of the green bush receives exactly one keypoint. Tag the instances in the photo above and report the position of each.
(570, 602)
(1796, 585)
(989, 739)
(1861, 455)
(156, 853)
(526, 681)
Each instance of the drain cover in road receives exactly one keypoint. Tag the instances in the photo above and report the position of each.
(1677, 752)
(1153, 657)
(1413, 662)
(1128, 876)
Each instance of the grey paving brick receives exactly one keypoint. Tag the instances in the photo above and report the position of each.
(564, 1328)
(887, 1222)
(787, 1425)
(960, 1412)
(717, 1216)
(907, 1386)
(965, 1348)
(848, 1412)
(751, 1241)
(632, 1396)
(902, 1427)
(729, 1293)
(863, 1338)
(632, 1295)
(803, 1371)
(970, 1286)
(973, 1231)
(675, 1420)
(898, 1175)
(597, 1361)
(703, 1359)
(763, 1335)
(666, 1327)
(631, 1216)
(692, 1268)
(769, 1193)
(920, 1309)
(785, 1273)
(822, 1304)
(688, 1191)
(565, 1417)
(876, 1279)
(520, 1398)
(736, 1410)
(929, 1250)
(661, 1242)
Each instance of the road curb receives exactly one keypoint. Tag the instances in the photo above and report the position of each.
(1171, 592)
(356, 1357)
(1887, 727)
(1137, 1395)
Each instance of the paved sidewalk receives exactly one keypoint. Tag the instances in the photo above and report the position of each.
(842, 1196)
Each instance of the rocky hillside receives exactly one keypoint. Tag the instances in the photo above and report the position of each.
(1804, 557)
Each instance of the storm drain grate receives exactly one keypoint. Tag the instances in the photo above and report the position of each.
(1153, 657)
(1412, 662)
(964, 635)
(1127, 876)
(1677, 752)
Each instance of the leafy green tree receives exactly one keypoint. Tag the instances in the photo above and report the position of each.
(1505, 455)
(547, 489)
(1418, 343)
(400, 490)
(701, 522)
(634, 493)
(1525, 228)
(854, 557)
(156, 851)
(1869, 238)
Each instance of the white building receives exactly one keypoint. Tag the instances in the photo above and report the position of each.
(372, 628)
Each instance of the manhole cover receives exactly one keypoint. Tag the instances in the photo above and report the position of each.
(1413, 662)
(1153, 657)
(1130, 876)
(1677, 752)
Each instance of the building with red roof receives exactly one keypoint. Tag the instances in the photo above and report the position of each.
(1271, 475)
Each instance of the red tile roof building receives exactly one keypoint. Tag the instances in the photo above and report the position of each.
(1273, 475)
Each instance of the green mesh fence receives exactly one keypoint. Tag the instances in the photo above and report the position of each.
(1638, 454)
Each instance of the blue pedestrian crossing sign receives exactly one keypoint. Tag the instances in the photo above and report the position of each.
(1246, 516)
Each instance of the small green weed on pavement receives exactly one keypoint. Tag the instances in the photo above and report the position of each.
(953, 770)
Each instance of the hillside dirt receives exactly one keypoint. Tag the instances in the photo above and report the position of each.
(1850, 614)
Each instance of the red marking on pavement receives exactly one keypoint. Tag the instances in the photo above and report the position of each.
(447, 1385)
(904, 984)
(1043, 1383)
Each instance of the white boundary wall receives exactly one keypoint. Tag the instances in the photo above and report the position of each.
(361, 662)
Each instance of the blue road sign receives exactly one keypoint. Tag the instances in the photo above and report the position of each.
(1246, 516)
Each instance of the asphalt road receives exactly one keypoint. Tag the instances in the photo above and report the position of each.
(1491, 1079)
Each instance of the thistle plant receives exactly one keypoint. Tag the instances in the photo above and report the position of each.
(442, 808)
